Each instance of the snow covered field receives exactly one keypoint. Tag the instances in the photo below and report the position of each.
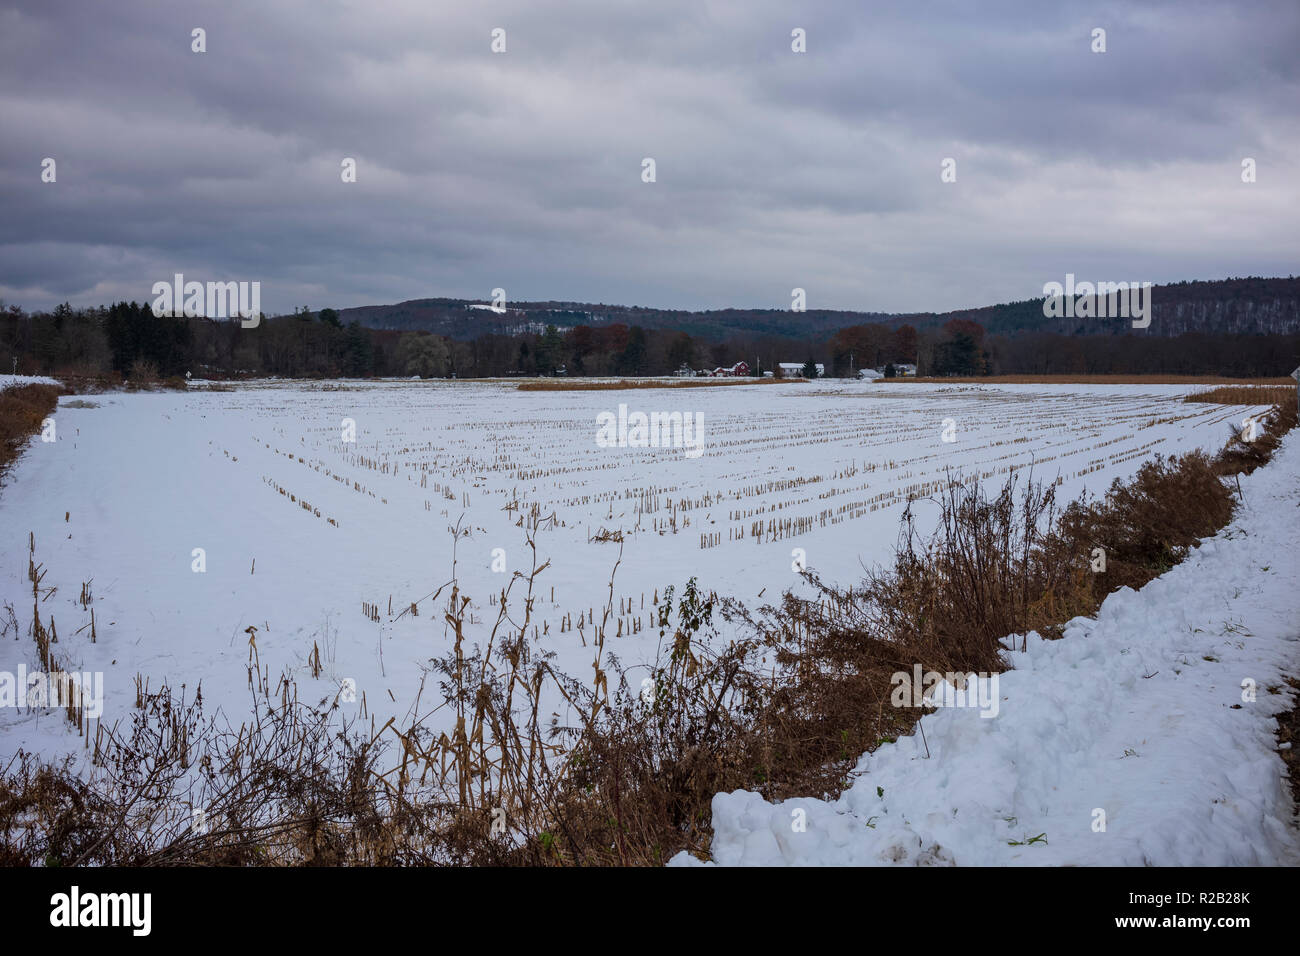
(193, 517)
(1144, 738)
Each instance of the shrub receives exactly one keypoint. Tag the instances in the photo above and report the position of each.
(22, 410)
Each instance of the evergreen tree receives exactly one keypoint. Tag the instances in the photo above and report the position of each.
(358, 354)
(633, 359)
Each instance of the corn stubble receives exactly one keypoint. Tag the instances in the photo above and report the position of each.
(627, 776)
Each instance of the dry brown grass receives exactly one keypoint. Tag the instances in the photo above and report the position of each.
(1246, 395)
(22, 410)
(1098, 380)
(1145, 526)
(1242, 456)
(557, 385)
(1288, 738)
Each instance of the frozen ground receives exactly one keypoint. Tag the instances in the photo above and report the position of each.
(1141, 720)
(298, 528)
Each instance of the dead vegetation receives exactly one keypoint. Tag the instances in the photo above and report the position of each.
(538, 767)
(1288, 738)
(1280, 395)
(1098, 380)
(23, 409)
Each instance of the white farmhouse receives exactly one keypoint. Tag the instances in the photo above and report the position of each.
(795, 369)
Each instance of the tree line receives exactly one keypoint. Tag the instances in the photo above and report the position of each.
(126, 339)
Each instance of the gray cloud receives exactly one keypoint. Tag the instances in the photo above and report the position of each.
(522, 170)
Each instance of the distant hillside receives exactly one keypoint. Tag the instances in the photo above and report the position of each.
(466, 319)
(1220, 306)
(1237, 306)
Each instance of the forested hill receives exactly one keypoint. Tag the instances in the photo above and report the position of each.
(460, 319)
(1221, 306)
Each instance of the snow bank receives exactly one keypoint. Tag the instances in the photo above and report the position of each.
(1137, 719)
(13, 381)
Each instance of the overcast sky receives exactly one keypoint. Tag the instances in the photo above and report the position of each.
(523, 169)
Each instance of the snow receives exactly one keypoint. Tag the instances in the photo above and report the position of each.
(1139, 713)
(137, 481)
(14, 381)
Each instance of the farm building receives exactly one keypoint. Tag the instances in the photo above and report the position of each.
(739, 370)
(795, 369)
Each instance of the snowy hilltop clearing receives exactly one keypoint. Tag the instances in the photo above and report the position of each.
(1145, 737)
